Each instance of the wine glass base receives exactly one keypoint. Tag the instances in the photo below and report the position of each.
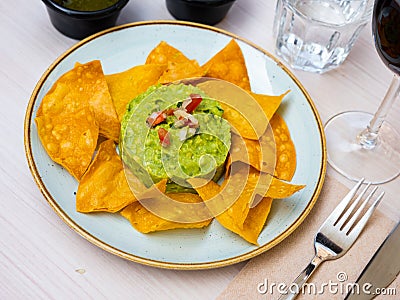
(347, 156)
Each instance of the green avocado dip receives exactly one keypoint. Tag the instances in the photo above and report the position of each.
(87, 5)
(174, 132)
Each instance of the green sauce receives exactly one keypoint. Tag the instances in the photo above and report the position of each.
(87, 5)
(200, 155)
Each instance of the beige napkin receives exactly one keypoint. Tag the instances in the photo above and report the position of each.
(285, 261)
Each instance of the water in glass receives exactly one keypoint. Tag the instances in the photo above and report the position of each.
(318, 35)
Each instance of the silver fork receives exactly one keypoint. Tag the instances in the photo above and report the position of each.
(337, 234)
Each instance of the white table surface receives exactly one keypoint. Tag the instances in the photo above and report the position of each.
(40, 256)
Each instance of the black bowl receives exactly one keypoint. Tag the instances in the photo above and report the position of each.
(80, 24)
(208, 12)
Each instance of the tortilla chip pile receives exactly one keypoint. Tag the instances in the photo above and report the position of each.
(78, 124)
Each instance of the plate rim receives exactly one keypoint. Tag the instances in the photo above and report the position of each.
(147, 261)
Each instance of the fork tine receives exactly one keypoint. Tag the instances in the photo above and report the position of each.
(348, 212)
(334, 216)
(361, 224)
(358, 212)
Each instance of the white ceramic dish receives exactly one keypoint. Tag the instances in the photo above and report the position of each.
(128, 45)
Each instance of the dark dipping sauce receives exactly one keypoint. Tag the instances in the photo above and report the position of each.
(86, 5)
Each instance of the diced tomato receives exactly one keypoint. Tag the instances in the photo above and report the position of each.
(156, 118)
(160, 118)
(169, 111)
(164, 137)
(196, 100)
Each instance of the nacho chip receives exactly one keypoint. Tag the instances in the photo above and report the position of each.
(252, 128)
(83, 86)
(279, 189)
(268, 103)
(229, 64)
(178, 65)
(144, 221)
(180, 207)
(178, 71)
(126, 85)
(259, 155)
(241, 110)
(231, 201)
(239, 122)
(164, 53)
(255, 221)
(69, 138)
(152, 191)
(210, 192)
(285, 149)
(255, 218)
(87, 83)
(220, 207)
(236, 214)
(103, 187)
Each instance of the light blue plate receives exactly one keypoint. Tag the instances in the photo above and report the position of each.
(123, 47)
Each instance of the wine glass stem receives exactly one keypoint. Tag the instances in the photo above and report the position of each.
(368, 138)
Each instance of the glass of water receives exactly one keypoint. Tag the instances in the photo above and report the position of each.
(317, 35)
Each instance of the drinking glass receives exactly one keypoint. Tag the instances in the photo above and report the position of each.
(360, 144)
(317, 35)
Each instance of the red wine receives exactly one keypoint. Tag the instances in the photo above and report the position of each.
(386, 31)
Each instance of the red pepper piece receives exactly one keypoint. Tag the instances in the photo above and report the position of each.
(160, 118)
(169, 111)
(163, 136)
(156, 118)
(196, 100)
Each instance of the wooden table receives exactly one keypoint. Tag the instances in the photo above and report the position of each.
(40, 256)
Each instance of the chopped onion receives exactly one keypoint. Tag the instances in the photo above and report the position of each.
(180, 113)
(193, 122)
(183, 133)
(180, 123)
(191, 132)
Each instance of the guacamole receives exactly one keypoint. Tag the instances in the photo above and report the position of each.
(174, 132)
(87, 5)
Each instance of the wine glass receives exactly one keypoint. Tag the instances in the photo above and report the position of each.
(361, 144)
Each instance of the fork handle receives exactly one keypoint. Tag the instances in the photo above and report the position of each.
(296, 286)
